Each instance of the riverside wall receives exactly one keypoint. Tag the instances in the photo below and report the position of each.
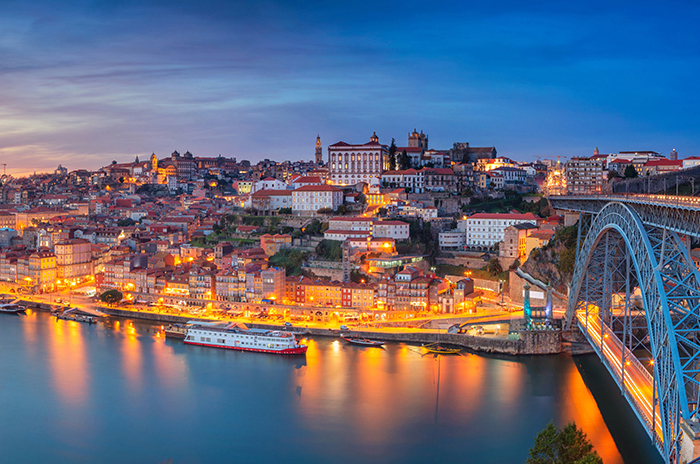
(529, 342)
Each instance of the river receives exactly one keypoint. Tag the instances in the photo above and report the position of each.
(117, 392)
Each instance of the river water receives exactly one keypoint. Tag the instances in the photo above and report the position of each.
(116, 392)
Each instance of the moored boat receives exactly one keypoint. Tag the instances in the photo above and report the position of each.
(362, 341)
(441, 349)
(77, 318)
(236, 336)
(9, 306)
(178, 331)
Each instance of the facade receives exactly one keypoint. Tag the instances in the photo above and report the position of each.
(73, 259)
(586, 175)
(397, 230)
(311, 198)
(451, 240)
(274, 243)
(351, 164)
(485, 229)
(515, 241)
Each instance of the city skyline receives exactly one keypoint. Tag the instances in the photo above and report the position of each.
(88, 84)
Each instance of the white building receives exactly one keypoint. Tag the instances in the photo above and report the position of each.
(691, 162)
(398, 230)
(355, 223)
(351, 164)
(268, 183)
(486, 229)
(451, 239)
(511, 175)
(311, 198)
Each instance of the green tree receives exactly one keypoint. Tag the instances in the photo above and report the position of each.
(404, 161)
(126, 222)
(112, 296)
(288, 258)
(330, 250)
(494, 267)
(285, 211)
(567, 446)
(612, 174)
(392, 156)
(325, 211)
(631, 172)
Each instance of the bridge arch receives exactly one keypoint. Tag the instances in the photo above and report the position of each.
(620, 254)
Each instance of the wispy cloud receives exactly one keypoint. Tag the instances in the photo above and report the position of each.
(82, 84)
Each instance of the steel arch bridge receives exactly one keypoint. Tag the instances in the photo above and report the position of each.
(635, 294)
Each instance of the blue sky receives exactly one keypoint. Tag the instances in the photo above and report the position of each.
(82, 83)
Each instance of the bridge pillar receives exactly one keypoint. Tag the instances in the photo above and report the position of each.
(690, 444)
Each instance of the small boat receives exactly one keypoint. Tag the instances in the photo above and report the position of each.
(77, 318)
(362, 341)
(440, 349)
(176, 331)
(11, 307)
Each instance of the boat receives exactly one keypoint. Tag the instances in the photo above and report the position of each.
(237, 336)
(10, 306)
(74, 314)
(77, 318)
(362, 341)
(441, 349)
(178, 331)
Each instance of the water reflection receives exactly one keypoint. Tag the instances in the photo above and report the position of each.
(122, 383)
(68, 361)
(579, 405)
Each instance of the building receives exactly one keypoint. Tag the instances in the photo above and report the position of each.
(514, 242)
(319, 151)
(398, 230)
(311, 198)
(73, 259)
(451, 240)
(586, 175)
(273, 283)
(351, 164)
(485, 229)
(274, 243)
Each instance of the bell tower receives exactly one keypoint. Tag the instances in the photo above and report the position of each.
(319, 152)
(154, 162)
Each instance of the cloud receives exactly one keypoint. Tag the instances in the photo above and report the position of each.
(88, 83)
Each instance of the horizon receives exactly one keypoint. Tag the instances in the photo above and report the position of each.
(88, 84)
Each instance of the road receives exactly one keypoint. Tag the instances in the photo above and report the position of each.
(637, 381)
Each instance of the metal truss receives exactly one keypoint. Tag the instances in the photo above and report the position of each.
(622, 262)
(679, 214)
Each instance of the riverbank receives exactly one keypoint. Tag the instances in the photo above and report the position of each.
(529, 342)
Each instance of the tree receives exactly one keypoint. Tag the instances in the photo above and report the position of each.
(126, 222)
(112, 296)
(612, 174)
(631, 172)
(288, 258)
(567, 446)
(285, 211)
(331, 250)
(404, 161)
(494, 267)
(392, 156)
(325, 211)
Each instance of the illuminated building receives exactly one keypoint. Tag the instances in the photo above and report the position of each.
(351, 164)
(274, 243)
(74, 258)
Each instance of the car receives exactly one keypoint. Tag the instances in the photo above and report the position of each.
(344, 327)
(58, 300)
(288, 324)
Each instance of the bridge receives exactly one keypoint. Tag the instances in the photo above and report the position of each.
(635, 294)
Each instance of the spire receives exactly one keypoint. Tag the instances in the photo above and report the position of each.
(596, 152)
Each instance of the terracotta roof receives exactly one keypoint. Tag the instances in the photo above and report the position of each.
(526, 216)
(317, 188)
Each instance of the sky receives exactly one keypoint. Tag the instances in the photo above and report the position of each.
(83, 83)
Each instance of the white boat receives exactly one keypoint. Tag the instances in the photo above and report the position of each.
(236, 336)
(9, 306)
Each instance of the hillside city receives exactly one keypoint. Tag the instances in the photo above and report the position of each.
(363, 232)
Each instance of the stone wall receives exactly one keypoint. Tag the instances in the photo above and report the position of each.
(541, 341)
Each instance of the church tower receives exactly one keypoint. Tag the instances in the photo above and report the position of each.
(319, 152)
(374, 138)
(154, 162)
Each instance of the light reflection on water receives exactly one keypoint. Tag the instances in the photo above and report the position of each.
(120, 392)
